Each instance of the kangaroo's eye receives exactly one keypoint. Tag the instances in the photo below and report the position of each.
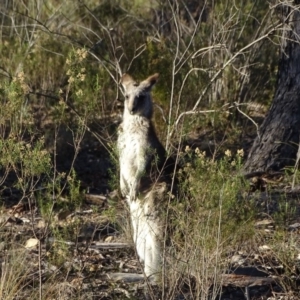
(126, 97)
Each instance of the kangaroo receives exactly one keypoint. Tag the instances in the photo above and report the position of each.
(142, 159)
(137, 142)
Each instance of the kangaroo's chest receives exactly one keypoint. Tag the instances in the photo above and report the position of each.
(133, 141)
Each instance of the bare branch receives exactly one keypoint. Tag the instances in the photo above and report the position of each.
(219, 72)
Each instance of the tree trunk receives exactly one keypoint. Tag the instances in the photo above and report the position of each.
(276, 145)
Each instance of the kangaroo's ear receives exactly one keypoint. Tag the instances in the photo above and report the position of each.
(150, 81)
(126, 80)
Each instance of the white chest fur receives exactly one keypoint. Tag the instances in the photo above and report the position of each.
(134, 148)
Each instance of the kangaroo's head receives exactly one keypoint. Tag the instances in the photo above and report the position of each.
(138, 95)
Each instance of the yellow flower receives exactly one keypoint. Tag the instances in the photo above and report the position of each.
(25, 88)
(13, 94)
(43, 152)
(82, 77)
(82, 54)
(79, 93)
(21, 76)
(240, 152)
(202, 154)
(187, 149)
(228, 153)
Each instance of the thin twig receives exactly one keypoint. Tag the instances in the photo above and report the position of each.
(248, 117)
(173, 72)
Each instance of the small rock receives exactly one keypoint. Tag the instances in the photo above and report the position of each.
(237, 259)
(264, 248)
(41, 224)
(25, 220)
(31, 243)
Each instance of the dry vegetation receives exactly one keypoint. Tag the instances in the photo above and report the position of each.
(64, 227)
